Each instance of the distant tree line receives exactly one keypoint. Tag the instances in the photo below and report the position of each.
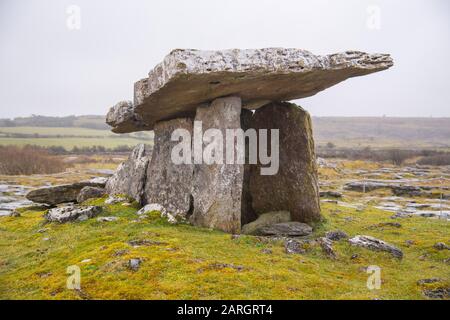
(90, 122)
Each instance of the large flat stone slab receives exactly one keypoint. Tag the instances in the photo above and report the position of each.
(188, 77)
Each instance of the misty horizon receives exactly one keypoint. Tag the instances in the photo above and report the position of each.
(50, 69)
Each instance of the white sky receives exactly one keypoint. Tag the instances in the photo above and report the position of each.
(45, 68)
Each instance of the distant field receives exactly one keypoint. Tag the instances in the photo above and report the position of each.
(69, 137)
(343, 132)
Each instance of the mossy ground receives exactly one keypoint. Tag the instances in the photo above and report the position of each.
(187, 262)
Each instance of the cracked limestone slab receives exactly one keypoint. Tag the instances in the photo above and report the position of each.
(187, 77)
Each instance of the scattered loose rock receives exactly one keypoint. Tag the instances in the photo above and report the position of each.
(287, 229)
(336, 235)
(107, 219)
(265, 220)
(134, 264)
(294, 247)
(71, 213)
(376, 244)
(327, 247)
(441, 246)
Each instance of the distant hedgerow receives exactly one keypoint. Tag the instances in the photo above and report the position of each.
(26, 160)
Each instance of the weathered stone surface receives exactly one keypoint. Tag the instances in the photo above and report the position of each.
(336, 235)
(90, 193)
(365, 186)
(265, 220)
(287, 229)
(294, 187)
(187, 78)
(217, 187)
(130, 177)
(376, 244)
(62, 193)
(327, 247)
(292, 246)
(330, 194)
(123, 118)
(169, 184)
(71, 213)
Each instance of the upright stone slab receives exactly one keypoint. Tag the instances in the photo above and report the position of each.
(130, 176)
(295, 187)
(217, 188)
(169, 184)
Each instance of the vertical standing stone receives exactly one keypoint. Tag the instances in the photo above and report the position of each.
(217, 188)
(295, 187)
(169, 184)
(130, 176)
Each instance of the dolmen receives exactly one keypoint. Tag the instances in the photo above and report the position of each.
(228, 146)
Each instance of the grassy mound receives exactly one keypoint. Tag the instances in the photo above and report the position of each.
(186, 262)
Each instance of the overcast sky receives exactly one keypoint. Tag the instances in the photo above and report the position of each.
(49, 68)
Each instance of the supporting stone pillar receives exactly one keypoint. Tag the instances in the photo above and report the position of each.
(169, 184)
(130, 176)
(217, 188)
(295, 187)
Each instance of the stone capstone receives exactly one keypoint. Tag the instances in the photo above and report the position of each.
(131, 176)
(187, 77)
(294, 187)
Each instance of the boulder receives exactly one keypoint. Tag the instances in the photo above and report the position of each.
(287, 229)
(90, 193)
(336, 235)
(218, 187)
(294, 187)
(72, 213)
(187, 78)
(292, 246)
(169, 184)
(375, 244)
(60, 194)
(265, 220)
(130, 177)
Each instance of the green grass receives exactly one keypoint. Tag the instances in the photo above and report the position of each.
(69, 143)
(70, 137)
(184, 265)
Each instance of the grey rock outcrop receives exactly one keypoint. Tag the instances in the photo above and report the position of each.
(130, 177)
(62, 193)
(72, 213)
(169, 184)
(90, 193)
(218, 186)
(375, 244)
(294, 187)
(265, 220)
(187, 78)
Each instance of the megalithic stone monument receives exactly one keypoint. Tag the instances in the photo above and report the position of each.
(219, 88)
